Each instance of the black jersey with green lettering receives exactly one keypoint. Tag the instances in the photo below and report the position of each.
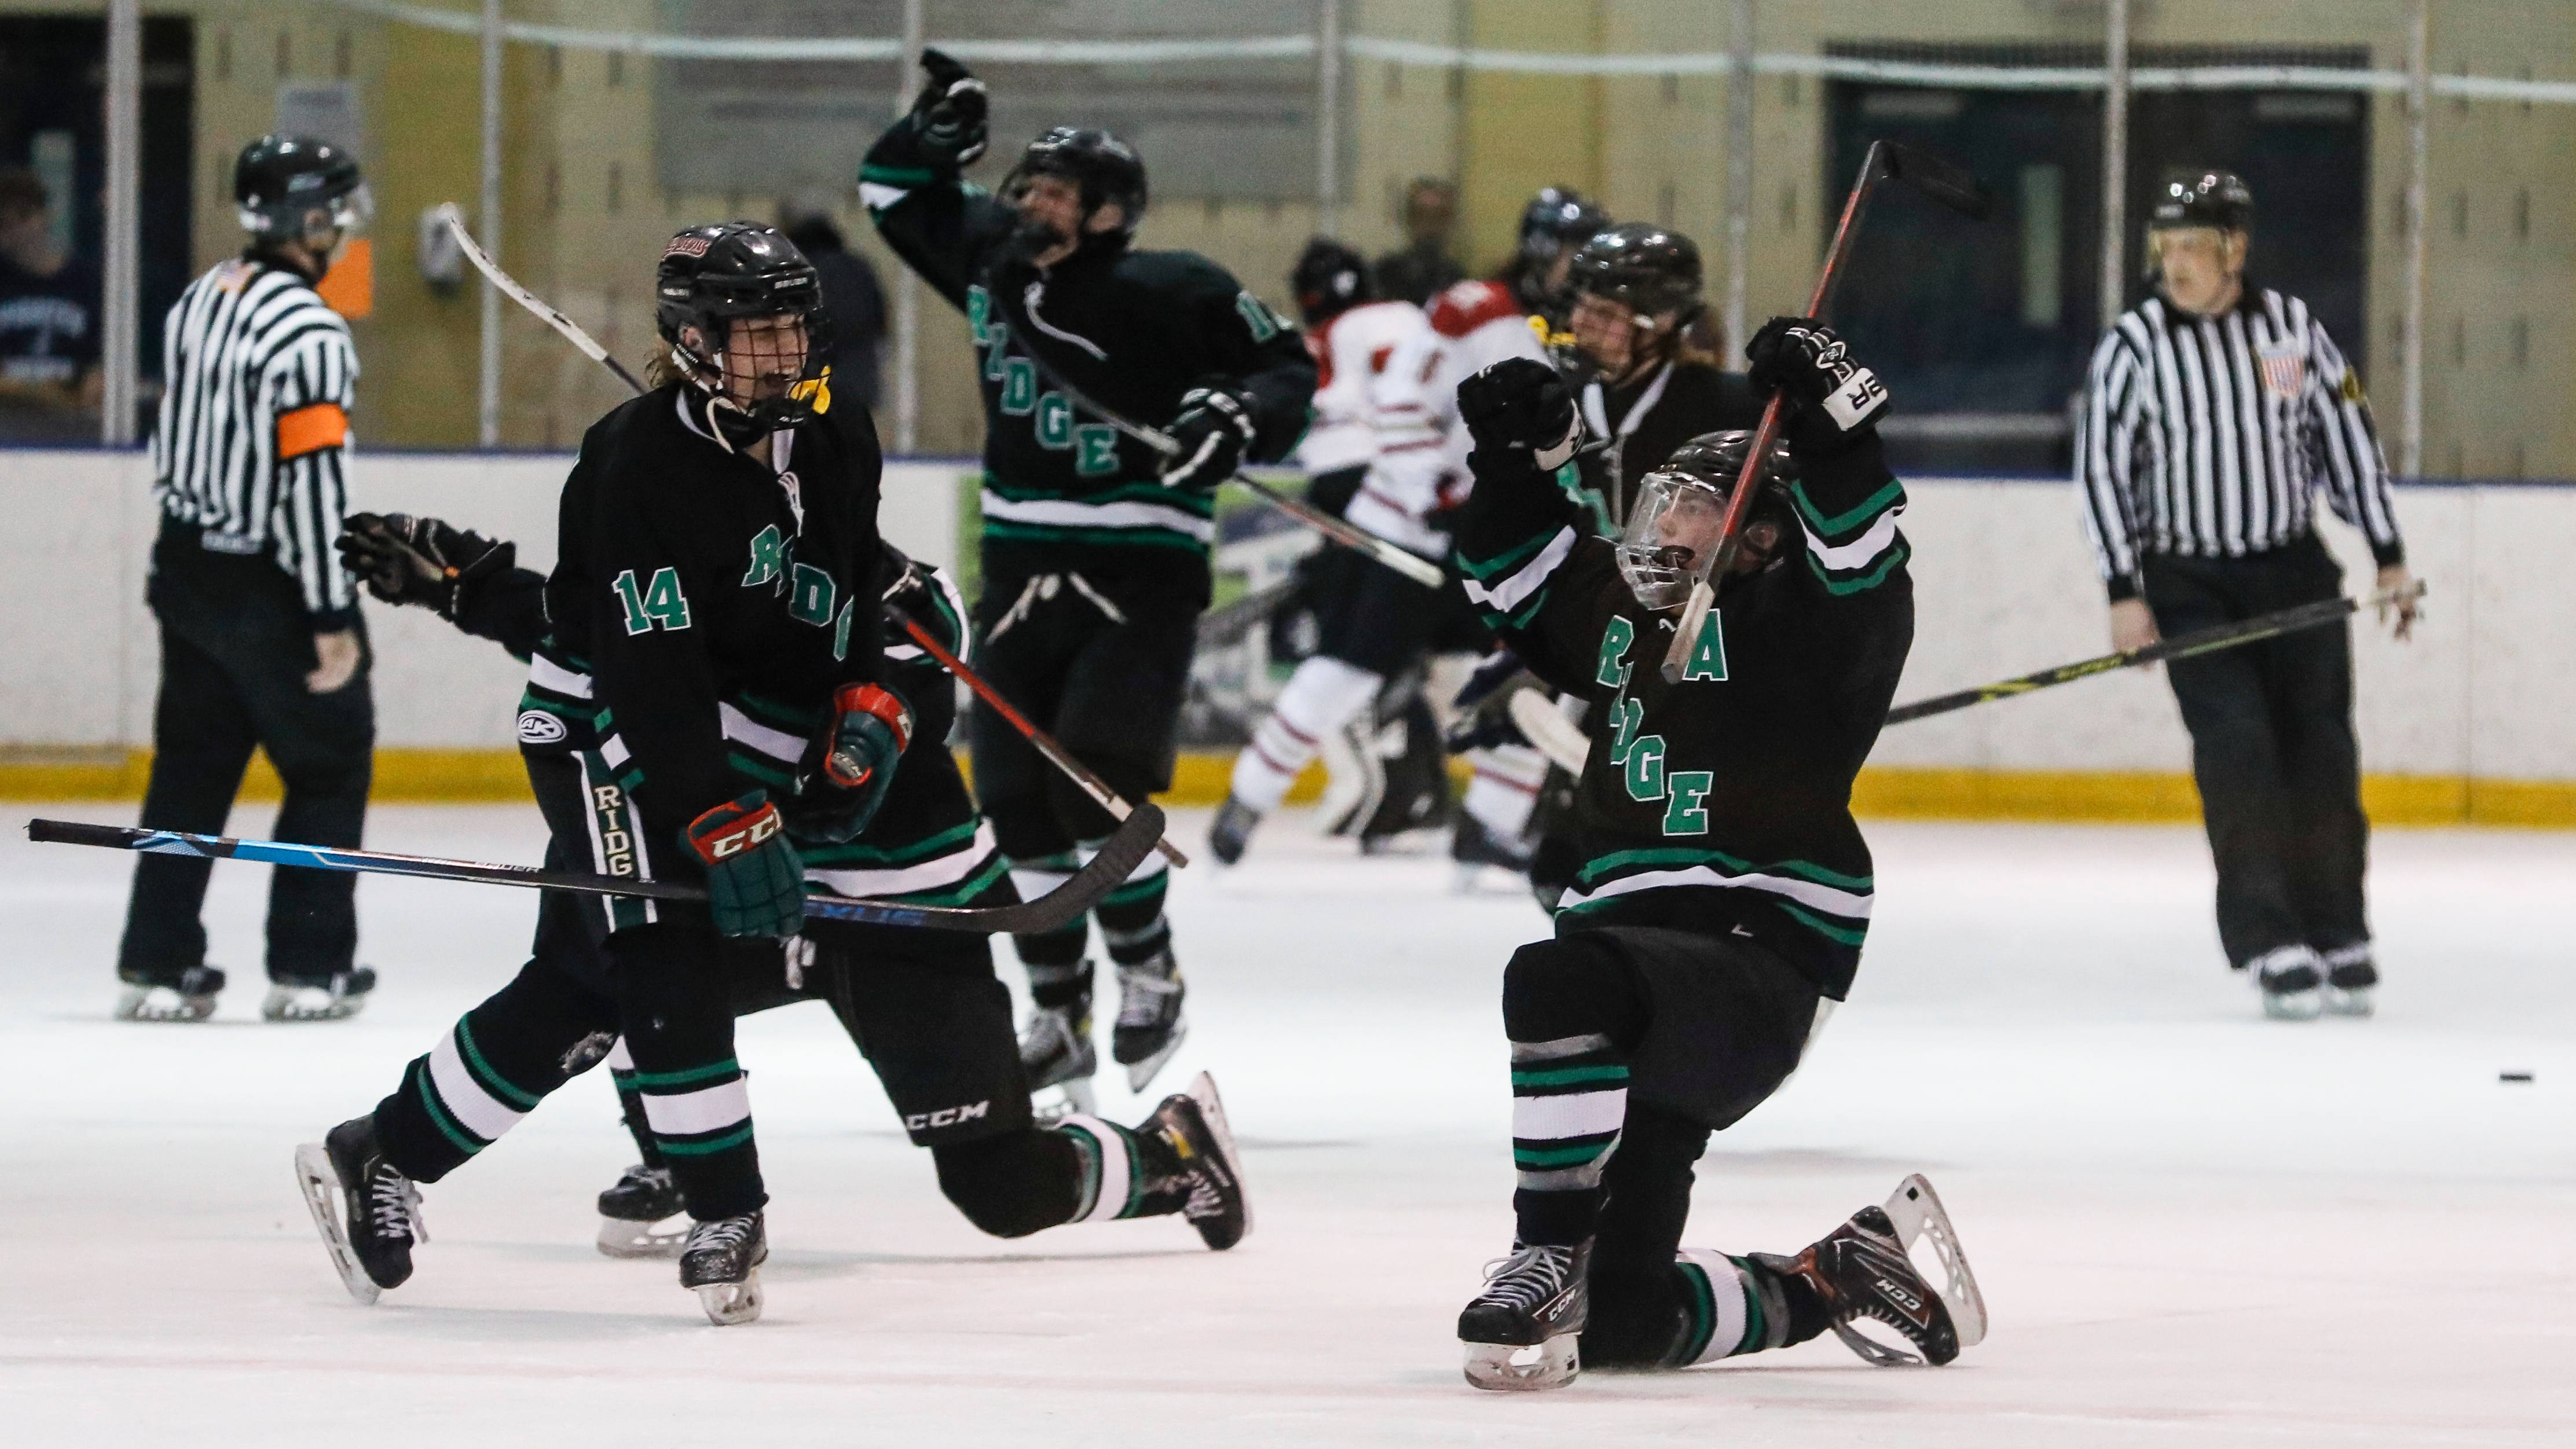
(1132, 330)
(711, 603)
(1721, 803)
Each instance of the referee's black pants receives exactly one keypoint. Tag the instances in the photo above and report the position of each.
(235, 647)
(2272, 748)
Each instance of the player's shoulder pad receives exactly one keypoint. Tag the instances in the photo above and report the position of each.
(1176, 271)
(1470, 305)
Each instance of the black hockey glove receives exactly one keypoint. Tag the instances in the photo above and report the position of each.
(949, 116)
(1832, 400)
(1214, 431)
(851, 765)
(1520, 409)
(407, 560)
(755, 878)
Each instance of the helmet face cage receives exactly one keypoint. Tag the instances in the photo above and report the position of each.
(1668, 503)
(776, 376)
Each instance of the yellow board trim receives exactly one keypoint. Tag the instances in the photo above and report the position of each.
(1200, 778)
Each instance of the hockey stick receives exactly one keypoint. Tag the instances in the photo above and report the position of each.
(1885, 160)
(1413, 566)
(571, 332)
(2187, 646)
(1107, 870)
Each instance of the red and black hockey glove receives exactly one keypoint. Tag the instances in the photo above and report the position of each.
(850, 767)
(755, 879)
(1519, 411)
(1215, 431)
(424, 561)
(1832, 400)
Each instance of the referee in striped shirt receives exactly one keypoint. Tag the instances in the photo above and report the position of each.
(2212, 417)
(261, 643)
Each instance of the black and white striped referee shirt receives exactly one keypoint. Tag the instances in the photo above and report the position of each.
(254, 425)
(2208, 437)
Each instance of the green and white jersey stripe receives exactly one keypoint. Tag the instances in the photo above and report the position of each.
(1511, 587)
(948, 868)
(1130, 514)
(1858, 549)
(1829, 903)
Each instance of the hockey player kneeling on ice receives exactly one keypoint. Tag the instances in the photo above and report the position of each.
(1095, 546)
(1725, 891)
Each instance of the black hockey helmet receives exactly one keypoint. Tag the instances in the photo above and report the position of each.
(1330, 279)
(714, 276)
(1646, 268)
(289, 186)
(2213, 198)
(1555, 219)
(1105, 167)
(1699, 478)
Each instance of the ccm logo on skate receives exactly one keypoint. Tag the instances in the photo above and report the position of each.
(947, 1116)
(536, 727)
(1905, 1300)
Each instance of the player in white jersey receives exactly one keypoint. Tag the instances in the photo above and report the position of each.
(1372, 624)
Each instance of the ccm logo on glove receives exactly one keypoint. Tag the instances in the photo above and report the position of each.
(730, 829)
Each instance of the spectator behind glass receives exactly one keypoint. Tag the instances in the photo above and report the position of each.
(1424, 268)
(49, 377)
(851, 295)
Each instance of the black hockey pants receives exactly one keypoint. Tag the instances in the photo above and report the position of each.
(235, 647)
(2272, 748)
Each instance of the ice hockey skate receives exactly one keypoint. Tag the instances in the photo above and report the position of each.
(2352, 979)
(340, 995)
(1191, 1150)
(1862, 1271)
(189, 998)
(637, 1216)
(2292, 983)
(1230, 834)
(721, 1260)
(367, 1212)
(1521, 1331)
(1057, 1054)
(1150, 1026)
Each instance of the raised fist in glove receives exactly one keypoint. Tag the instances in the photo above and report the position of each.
(949, 115)
(407, 560)
(1214, 431)
(850, 766)
(1831, 399)
(755, 879)
(1519, 408)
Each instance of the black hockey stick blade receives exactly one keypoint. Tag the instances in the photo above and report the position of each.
(1952, 186)
(1117, 858)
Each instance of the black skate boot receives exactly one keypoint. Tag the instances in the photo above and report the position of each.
(1521, 1331)
(1860, 1271)
(722, 1262)
(635, 1215)
(319, 998)
(1150, 1027)
(1188, 1158)
(1056, 1052)
(368, 1213)
(1473, 847)
(2292, 981)
(2351, 978)
(1232, 830)
(189, 996)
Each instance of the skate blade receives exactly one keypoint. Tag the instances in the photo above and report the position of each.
(282, 1007)
(1064, 1099)
(322, 1194)
(1202, 1090)
(1141, 1073)
(136, 1004)
(1517, 1367)
(730, 1304)
(626, 1238)
(2348, 1001)
(1916, 1211)
(2294, 1005)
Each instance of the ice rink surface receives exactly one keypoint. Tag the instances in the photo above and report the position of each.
(2193, 1227)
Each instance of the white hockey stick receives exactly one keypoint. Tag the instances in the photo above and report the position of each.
(1558, 738)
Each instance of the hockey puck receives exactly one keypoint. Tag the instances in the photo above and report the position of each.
(2513, 1076)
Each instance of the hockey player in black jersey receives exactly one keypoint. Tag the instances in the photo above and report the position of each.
(711, 636)
(1725, 889)
(1095, 548)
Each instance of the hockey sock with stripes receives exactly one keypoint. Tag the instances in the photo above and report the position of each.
(677, 1011)
(1121, 1170)
(1574, 1012)
(1058, 975)
(630, 1104)
(1131, 917)
(1733, 1306)
(487, 1071)
(1318, 699)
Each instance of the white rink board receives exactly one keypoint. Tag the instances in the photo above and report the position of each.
(2004, 585)
(2193, 1228)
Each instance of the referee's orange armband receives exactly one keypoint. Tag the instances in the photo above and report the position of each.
(310, 430)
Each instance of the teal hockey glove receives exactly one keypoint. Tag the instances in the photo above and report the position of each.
(755, 879)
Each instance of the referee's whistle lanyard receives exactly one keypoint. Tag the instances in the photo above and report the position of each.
(1596, 416)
